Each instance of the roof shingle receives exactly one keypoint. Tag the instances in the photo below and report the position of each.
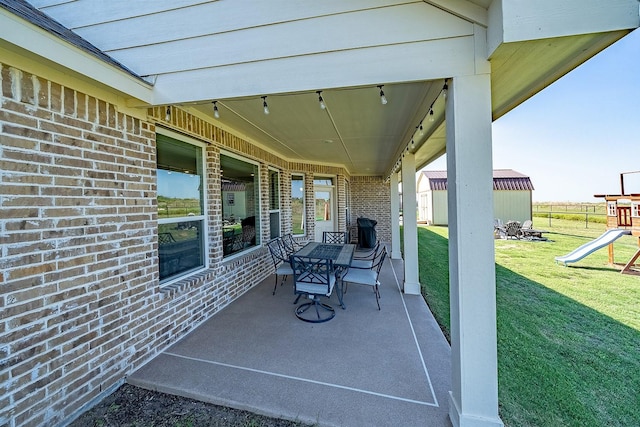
(503, 180)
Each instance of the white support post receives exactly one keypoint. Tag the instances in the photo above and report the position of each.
(474, 366)
(410, 225)
(396, 252)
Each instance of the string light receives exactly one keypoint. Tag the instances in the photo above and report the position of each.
(383, 99)
(264, 105)
(419, 128)
(320, 100)
(216, 113)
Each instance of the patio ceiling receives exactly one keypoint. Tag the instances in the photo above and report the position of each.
(355, 130)
(196, 52)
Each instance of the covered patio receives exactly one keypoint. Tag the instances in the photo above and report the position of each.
(110, 109)
(364, 367)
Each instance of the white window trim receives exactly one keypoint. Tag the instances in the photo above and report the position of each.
(205, 229)
(260, 196)
(279, 210)
(304, 203)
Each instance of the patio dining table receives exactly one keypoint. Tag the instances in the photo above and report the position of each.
(340, 255)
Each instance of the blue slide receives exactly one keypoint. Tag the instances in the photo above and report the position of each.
(608, 237)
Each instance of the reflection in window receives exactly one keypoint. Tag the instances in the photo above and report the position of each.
(323, 206)
(180, 207)
(323, 181)
(297, 204)
(240, 204)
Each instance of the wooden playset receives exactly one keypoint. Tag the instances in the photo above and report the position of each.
(623, 213)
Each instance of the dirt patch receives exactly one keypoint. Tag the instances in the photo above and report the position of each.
(134, 406)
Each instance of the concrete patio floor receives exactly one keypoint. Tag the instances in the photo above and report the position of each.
(363, 368)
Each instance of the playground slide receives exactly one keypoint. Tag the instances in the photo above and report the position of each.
(608, 237)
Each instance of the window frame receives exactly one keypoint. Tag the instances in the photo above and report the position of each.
(202, 218)
(258, 222)
(278, 210)
(304, 204)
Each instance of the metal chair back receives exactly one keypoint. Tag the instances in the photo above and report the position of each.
(339, 237)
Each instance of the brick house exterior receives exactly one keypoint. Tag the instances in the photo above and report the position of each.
(87, 295)
(81, 302)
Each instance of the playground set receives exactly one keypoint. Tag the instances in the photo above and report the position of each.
(623, 218)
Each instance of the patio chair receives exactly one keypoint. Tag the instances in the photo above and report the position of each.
(513, 229)
(499, 230)
(165, 238)
(290, 245)
(365, 259)
(314, 278)
(367, 276)
(528, 232)
(280, 261)
(339, 237)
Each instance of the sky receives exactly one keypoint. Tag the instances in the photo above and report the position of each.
(178, 185)
(574, 138)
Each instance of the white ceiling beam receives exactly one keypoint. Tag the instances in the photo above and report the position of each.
(361, 67)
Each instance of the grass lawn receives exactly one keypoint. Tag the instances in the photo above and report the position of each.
(568, 337)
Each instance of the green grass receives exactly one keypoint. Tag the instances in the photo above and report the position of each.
(568, 337)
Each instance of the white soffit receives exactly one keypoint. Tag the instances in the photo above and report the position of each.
(37, 41)
(214, 50)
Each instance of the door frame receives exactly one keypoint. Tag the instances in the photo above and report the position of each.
(320, 226)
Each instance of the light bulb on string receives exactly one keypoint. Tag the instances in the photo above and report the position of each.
(321, 100)
(383, 98)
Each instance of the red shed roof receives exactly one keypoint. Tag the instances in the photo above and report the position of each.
(503, 180)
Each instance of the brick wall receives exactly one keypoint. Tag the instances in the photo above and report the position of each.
(80, 302)
(81, 306)
(371, 198)
(77, 202)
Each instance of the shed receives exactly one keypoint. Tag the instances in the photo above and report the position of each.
(511, 196)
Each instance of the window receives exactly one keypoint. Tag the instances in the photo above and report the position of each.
(347, 202)
(323, 181)
(635, 209)
(180, 207)
(297, 205)
(240, 204)
(611, 208)
(274, 203)
(324, 202)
